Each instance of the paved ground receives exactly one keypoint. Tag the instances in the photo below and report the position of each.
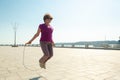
(67, 64)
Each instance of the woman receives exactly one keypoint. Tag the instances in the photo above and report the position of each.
(46, 40)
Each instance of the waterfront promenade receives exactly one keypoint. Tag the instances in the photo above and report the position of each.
(66, 64)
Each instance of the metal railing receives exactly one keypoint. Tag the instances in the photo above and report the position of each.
(85, 46)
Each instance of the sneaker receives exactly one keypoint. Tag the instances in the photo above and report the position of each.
(42, 65)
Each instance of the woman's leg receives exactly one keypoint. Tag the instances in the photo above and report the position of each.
(50, 49)
(44, 47)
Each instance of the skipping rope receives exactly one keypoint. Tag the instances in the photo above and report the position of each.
(23, 63)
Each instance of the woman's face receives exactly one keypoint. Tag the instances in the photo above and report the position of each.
(48, 20)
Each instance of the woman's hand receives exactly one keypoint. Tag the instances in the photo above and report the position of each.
(53, 44)
(28, 43)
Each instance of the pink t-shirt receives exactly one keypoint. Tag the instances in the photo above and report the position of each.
(46, 33)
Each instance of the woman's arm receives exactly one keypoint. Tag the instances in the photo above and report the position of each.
(35, 36)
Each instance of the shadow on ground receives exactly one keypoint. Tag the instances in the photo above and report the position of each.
(38, 78)
(35, 78)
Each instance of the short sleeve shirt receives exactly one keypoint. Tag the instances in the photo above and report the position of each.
(46, 33)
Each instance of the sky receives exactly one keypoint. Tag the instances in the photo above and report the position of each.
(74, 20)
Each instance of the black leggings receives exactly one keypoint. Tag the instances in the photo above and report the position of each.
(47, 48)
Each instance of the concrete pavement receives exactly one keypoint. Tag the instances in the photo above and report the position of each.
(67, 64)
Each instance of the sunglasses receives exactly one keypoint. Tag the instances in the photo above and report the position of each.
(50, 18)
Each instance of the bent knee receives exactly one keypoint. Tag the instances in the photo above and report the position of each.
(46, 56)
(50, 56)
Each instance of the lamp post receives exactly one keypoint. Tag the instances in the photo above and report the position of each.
(15, 30)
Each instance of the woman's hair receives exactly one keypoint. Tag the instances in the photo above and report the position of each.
(47, 16)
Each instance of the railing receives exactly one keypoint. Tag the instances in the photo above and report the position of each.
(85, 46)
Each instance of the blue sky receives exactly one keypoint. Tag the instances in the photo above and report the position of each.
(74, 20)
